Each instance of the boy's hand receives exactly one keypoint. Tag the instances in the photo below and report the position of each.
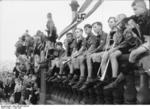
(87, 53)
(74, 54)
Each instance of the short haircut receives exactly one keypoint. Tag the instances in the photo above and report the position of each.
(87, 26)
(69, 34)
(137, 1)
(97, 23)
(49, 14)
(79, 29)
(111, 18)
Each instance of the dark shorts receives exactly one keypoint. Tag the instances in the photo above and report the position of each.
(37, 52)
(17, 97)
(126, 50)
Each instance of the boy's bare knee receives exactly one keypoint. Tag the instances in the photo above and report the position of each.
(88, 61)
(133, 53)
(133, 56)
(105, 57)
(113, 56)
(81, 59)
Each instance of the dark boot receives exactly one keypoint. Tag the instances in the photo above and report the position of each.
(61, 79)
(49, 75)
(89, 83)
(56, 78)
(79, 84)
(51, 78)
(70, 76)
(115, 81)
(74, 80)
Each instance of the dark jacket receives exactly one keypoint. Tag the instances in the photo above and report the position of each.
(144, 22)
(91, 42)
(102, 41)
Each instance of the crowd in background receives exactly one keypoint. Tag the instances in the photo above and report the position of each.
(23, 83)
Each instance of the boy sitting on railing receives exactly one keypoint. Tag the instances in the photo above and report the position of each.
(142, 18)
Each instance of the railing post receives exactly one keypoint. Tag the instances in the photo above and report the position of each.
(143, 95)
(130, 89)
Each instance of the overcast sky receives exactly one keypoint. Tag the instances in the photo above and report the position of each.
(17, 16)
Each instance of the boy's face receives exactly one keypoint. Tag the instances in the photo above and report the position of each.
(59, 47)
(138, 10)
(119, 19)
(37, 39)
(78, 33)
(87, 30)
(69, 37)
(97, 28)
(21, 66)
(111, 23)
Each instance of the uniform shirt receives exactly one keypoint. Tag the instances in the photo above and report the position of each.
(80, 43)
(91, 42)
(69, 47)
(51, 29)
(59, 53)
(144, 23)
(102, 41)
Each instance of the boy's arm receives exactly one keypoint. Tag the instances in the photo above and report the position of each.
(75, 51)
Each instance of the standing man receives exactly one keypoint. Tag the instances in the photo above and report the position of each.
(51, 29)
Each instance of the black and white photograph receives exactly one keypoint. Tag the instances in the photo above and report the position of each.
(74, 52)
